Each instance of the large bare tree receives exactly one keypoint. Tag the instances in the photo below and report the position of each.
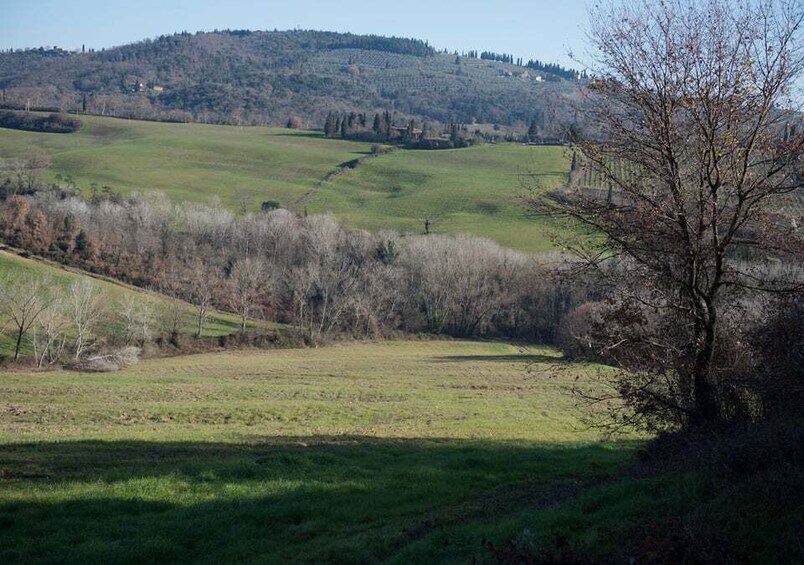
(693, 143)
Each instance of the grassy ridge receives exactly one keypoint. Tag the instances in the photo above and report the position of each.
(473, 190)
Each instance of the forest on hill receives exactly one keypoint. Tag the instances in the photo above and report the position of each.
(264, 77)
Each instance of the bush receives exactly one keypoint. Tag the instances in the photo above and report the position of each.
(575, 333)
(108, 362)
(53, 123)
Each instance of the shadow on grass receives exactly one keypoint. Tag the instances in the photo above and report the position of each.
(316, 499)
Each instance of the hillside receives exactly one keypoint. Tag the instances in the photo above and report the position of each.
(18, 268)
(189, 161)
(473, 190)
(262, 77)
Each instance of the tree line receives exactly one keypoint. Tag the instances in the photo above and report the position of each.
(306, 271)
(385, 128)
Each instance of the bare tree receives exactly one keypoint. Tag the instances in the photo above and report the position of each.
(49, 334)
(136, 318)
(249, 282)
(172, 319)
(202, 285)
(686, 100)
(22, 301)
(86, 304)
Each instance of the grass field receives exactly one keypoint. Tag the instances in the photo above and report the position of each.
(399, 452)
(189, 161)
(17, 268)
(475, 190)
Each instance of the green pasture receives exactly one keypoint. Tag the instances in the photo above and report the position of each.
(391, 452)
(189, 161)
(476, 190)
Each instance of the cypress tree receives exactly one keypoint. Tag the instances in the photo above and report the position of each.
(329, 125)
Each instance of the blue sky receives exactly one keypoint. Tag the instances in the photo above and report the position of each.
(543, 29)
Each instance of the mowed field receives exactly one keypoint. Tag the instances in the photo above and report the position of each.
(397, 452)
(475, 190)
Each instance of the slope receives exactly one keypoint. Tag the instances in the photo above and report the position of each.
(263, 77)
(18, 268)
(188, 161)
(473, 190)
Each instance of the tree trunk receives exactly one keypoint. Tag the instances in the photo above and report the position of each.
(19, 344)
(705, 409)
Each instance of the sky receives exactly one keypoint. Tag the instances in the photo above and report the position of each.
(531, 29)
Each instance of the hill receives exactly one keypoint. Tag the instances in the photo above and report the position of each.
(474, 190)
(189, 161)
(263, 77)
(471, 190)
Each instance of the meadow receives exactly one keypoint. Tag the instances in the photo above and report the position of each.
(189, 162)
(396, 452)
(475, 190)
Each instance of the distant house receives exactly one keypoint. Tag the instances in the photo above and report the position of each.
(538, 78)
(158, 88)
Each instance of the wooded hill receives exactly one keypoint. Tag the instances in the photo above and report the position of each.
(263, 77)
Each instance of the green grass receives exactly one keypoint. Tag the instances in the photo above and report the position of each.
(189, 161)
(394, 452)
(18, 268)
(476, 190)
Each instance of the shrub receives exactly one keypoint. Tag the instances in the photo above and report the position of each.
(108, 362)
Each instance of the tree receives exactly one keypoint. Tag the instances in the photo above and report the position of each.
(687, 99)
(135, 319)
(247, 285)
(202, 285)
(86, 304)
(329, 125)
(22, 301)
(82, 245)
(533, 130)
(49, 337)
